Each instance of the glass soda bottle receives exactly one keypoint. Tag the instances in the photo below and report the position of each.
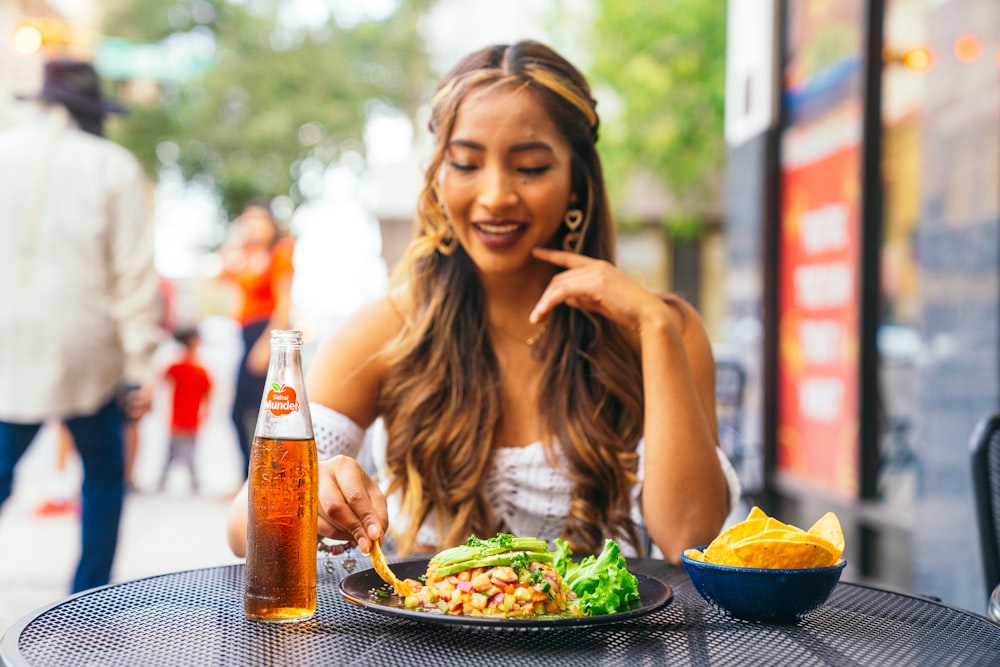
(283, 489)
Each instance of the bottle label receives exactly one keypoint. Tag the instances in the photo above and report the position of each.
(281, 400)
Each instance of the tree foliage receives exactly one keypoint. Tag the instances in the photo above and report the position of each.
(277, 94)
(664, 63)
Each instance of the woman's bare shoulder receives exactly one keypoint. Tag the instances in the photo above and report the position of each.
(347, 370)
(370, 328)
(688, 315)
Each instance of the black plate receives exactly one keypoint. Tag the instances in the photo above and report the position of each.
(360, 589)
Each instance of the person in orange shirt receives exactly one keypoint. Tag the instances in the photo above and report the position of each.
(259, 264)
(192, 386)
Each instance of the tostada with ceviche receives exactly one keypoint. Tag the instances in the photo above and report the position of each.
(519, 577)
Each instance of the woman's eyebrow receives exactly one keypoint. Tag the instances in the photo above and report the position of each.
(465, 143)
(531, 146)
(516, 148)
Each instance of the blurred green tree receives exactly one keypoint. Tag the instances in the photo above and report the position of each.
(280, 95)
(662, 65)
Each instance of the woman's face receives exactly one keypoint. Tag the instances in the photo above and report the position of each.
(257, 226)
(505, 180)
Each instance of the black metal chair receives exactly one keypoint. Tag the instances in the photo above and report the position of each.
(985, 446)
(730, 383)
(730, 389)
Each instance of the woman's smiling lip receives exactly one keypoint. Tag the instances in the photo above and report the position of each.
(499, 234)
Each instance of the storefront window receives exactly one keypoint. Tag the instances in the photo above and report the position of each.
(906, 63)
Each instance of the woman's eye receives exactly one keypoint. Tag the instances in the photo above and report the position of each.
(462, 166)
(534, 171)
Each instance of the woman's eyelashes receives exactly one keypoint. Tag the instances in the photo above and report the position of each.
(535, 171)
(527, 171)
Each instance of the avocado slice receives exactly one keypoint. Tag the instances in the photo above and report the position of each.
(515, 559)
(476, 548)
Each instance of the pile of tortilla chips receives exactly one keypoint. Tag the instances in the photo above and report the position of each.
(763, 541)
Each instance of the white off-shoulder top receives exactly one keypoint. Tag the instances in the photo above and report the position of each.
(528, 493)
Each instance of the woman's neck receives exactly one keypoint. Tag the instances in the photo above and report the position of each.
(511, 298)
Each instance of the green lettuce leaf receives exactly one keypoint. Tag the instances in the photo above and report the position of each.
(602, 583)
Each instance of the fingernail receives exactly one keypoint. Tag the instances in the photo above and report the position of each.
(373, 532)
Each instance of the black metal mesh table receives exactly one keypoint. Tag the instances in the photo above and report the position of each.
(196, 618)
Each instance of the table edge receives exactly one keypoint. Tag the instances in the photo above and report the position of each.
(11, 657)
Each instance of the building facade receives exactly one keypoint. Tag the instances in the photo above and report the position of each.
(862, 292)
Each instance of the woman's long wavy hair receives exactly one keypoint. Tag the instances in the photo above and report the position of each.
(440, 401)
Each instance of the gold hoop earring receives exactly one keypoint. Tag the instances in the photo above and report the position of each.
(573, 219)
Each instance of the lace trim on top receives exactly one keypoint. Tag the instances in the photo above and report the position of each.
(335, 433)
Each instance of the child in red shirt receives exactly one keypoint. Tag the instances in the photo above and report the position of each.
(192, 385)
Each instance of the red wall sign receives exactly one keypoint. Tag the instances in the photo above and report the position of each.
(820, 248)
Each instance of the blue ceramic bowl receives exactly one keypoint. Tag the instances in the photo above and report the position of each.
(763, 595)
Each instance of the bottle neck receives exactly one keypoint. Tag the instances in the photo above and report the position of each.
(286, 338)
(284, 406)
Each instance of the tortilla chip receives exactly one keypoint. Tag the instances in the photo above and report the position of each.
(720, 550)
(403, 588)
(774, 524)
(694, 554)
(828, 527)
(792, 550)
(763, 541)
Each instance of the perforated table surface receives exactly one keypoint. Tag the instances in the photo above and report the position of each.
(196, 618)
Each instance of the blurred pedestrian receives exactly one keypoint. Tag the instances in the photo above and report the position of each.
(189, 405)
(78, 325)
(258, 261)
(60, 497)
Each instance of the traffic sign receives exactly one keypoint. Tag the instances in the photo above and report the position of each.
(172, 60)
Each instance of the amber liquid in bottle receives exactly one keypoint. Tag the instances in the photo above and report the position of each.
(282, 494)
(281, 532)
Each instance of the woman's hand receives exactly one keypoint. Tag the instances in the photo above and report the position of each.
(598, 286)
(351, 506)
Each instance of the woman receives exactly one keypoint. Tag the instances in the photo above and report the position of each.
(259, 264)
(525, 384)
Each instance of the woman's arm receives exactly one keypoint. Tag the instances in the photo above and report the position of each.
(689, 501)
(684, 496)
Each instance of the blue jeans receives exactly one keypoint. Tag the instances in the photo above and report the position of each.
(247, 394)
(98, 439)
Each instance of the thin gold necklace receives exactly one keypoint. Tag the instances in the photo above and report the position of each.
(529, 341)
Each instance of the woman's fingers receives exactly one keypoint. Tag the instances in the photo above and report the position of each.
(587, 283)
(351, 506)
(594, 285)
(561, 257)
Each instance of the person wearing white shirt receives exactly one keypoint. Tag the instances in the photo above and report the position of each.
(78, 288)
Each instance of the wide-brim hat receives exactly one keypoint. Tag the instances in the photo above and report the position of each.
(76, 86)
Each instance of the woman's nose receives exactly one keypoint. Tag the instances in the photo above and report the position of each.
(499, 190)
